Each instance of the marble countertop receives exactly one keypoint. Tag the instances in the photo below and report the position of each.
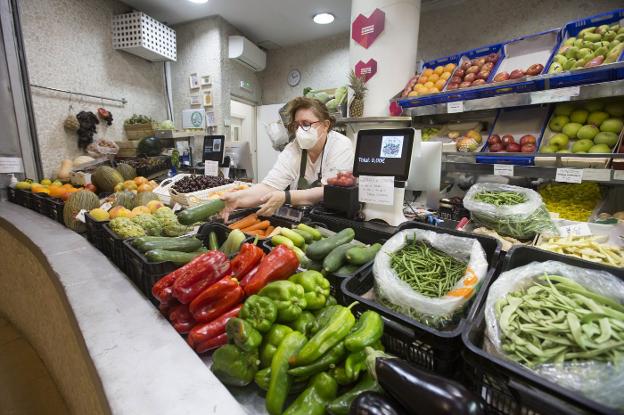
(144, 365)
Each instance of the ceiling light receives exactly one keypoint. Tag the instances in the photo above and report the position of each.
(198, 1)
(323, 18)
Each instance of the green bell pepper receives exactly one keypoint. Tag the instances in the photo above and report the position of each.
(367, 331)
(328, 336)
(304, 323)
(331, 300)
(260, 312)
(272, 340)
(243, 334)
(327, 361)
(321, 390)
(340, 405)
(315, 286)
(288, 298)
(280, 383)
(263, 379)
(234, 366)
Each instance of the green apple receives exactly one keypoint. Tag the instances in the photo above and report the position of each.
(600, 148)
(549, 149)
(571, 128)
(557, 122)
(607, 138)
(612, 125)
(593, 106)
(565, 151)
(579, 116)
(587, 132)
(596, 118)
(615, 109)
(565, 108)
(559, 140)
(582, 145)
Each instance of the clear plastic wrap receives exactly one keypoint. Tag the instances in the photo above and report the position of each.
(398, 294)
(598, 380)
(522, 221)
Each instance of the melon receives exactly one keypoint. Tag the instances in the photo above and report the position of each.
(127, 171)
(149, 146)
(125, 199)
(106, 178)
(143, 198)
(82, 199)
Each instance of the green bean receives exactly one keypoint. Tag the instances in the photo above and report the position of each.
(500, 198)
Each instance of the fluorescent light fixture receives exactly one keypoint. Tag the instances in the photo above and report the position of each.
(198, 1)
(323, 18)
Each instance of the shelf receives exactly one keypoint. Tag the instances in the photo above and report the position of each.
(574, 93)
(178, 134)
(361, 120)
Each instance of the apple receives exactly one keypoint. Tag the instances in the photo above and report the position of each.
(456, 79)
(549, 149)
(588, 132)
(481, 61)
(579, 116)
(528, 148)
(473, 69)
(494, 139)
(478, 82)
(508, 139)
(496, 147)
(559, 141)
(516, 73)
(527, 139)
(492, 57)
(465, 84)
(483, 75)
(488, 66)
(535, 69)
(571, 129)
(558, 122)
(465, 65)
(513, 147)
(502, 76)
(597, 117)
(470, 77)
(582, 145)
(452, 85)
(460, 72)
(612, 125)
(599, 148)
(607, 138)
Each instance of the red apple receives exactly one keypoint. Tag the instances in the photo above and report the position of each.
(473, 69)
(502, 76)
(535, 69)
(483, 74)
(516, 73)
(494, 139)
(465, 65)
(508, 139)
(492, 57)
(456, 79)
(460, 72)
(475, 62)
(496, 147)
(487, 66)
(478, 82)
(527, 139)
(513, 147)
(465, 84)
(470, 77)
(528, 148)
(452, 85)
(481, 61)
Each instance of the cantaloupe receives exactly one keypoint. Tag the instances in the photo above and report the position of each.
(127, 171)
(106, 178)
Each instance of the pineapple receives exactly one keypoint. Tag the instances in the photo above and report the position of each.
(356, 108)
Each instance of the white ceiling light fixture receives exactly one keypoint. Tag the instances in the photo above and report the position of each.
(198, 1)
(323, 18)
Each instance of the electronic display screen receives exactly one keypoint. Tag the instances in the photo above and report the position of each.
(213, 147)
(384, 152)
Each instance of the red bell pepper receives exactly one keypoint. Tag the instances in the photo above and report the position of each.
(163, 289)
(249, 276)
(207, 336)
(181, 318)
(279, 264)
(199, 274)
(248, 257)
(216, 299)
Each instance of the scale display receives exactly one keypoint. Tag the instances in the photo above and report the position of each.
(214, 146)
(384, 152)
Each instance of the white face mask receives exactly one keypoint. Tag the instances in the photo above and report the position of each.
(307, 139)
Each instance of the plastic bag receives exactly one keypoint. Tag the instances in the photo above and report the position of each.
(398, 295)
(601, 381)
(522, 221)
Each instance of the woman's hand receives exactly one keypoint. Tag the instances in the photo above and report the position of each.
(231, 200)
(271, 202)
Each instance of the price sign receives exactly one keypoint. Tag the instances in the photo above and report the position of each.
(580, 229)
(211, 168)
(503, 170)
(618, 174)
(554, 95)
(11, 165)
(81, 216)
(376, 189)
(106, 206)
(569, 175)
(599, 175)
(177, 207)
(453, 107)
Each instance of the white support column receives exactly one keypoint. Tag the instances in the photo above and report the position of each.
(394, 50)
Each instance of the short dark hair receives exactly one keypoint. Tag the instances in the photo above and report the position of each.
(319, 109)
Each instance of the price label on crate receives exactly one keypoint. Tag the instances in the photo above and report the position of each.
(177, 207)
(376, 189)
(211, 168)
(565, 175)
(80, 216)
(503, 170)
(453, 107)
(554, 95)
(599, 175)
(579, 229)
(106, 206)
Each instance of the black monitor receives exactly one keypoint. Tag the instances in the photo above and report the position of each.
(214, 146)
(384, 152)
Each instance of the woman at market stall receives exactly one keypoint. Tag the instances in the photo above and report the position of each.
(305, 164)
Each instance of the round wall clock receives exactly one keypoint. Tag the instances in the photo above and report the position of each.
(294, 77)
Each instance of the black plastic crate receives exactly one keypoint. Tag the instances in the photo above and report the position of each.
(95, 233)
(434, 349)
(113, 247)
(507, 387)
(54, 209)
(38, 203)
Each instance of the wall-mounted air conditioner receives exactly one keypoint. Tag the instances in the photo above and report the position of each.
(245, 52)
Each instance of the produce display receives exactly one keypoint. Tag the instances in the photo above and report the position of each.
(342, 179)
(77, 201)
(500, 198)
(589, 248)
(431, 81)
(148, 165)
(142, 221)
(195, 183)
(591, 47)
(526, 144)
(534, 69)
(253, 225)
(591, 127)
(332, 102)
(468, 142)
(473, 72)
(138, 119)
(570, 200)
(54, 189)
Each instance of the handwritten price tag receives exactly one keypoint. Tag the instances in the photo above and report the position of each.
(376, 189)
(580, 229)
(503, 170)
(211, 168)
(454, 107)
(569, 175)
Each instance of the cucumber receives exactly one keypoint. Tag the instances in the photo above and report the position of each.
(336, 258)
(346, 270)
(201, 212)
(314, 265)
(362, 255)
(213, 243)
(319, 249)
(178, 258)
(293, 236)
(301, 256)
(282, 240)
(314, 232)
(172, 244)
(306, 235)
(137, 242)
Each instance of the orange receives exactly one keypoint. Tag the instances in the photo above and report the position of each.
(427, 71)
(439, 69)
(429, 84)
(440, 84)
(445, 75)
(68, 186)
(130, 185)
(41, 190)
(449, 67)
(433, 78)
(420, 87)
(57, 191)
(139, 180)
(413, 94)
(422, 79)
(433, 90)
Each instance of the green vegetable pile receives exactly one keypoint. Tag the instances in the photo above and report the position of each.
(497, 198)
(138, 119)
(557, 320)
(427, 270)
(517, 226)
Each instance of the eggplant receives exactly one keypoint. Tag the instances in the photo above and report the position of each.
(421, 392)
(375, 403)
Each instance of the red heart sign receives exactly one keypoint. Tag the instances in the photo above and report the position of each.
(365, 30)
(366, 70)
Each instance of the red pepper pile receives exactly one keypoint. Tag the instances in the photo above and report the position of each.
(201, 296)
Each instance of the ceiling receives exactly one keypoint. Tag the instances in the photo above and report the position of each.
(269, 23)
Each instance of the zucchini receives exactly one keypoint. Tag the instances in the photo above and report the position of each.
(306, 235)
(178, 258)
(137, 242)
(336, 258)
(316, 235)
(314, 265)
(200, 213)
(361, 255)
(213, 243)
(319, 249)
(173, 244)
(282, 240)
(293, 236)
(346, 270)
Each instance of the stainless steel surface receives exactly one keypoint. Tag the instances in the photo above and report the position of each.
(121, 100)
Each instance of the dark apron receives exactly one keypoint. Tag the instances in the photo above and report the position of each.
(302, 183)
